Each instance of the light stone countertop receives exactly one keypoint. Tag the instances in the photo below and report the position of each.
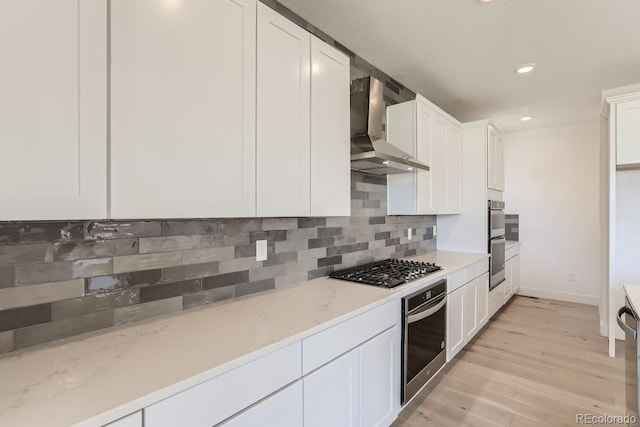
(633, 293)
(97, 378)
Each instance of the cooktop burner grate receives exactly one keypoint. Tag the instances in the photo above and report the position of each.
(388, 273)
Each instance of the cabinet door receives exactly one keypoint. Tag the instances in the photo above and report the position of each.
(133, 420)
(492, 149)
(628, 133)
(332, 393)
(499, 164)
(402, 132)
(53, 109)
(283, 115)
(454, 169)
(516, 275)
(380, 379)
(283, 409)
(424, 147)
(483, 300)
(455, 322)
(182, 108)
(471, 309)
(508, 282)
(330, 145)
(439, 164)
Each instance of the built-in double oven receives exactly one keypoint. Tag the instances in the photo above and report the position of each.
(497, 242)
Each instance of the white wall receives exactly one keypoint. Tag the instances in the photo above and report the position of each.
(552, 182)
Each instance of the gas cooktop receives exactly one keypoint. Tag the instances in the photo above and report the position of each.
(388, 273)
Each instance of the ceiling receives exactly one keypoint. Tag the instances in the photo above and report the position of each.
(461, 54)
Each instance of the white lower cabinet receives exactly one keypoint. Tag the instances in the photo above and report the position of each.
(132, 420)
(455, 322)
(516, 274)
(332, 393)
(283, 409)
(467, 306)
(380, 379)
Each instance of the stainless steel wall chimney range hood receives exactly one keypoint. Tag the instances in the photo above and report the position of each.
(369, 152)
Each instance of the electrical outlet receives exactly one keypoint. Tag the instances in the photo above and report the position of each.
(409, 233)
(572, 277)
(435, 233)
(261, 250)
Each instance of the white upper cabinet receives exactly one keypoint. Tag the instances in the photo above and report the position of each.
(495, 163)
(283, 116)
(53, 109)
(430, 135)
(628, 133)
(330, 134)
(182, 109)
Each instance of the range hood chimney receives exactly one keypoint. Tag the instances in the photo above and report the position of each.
(369, 152)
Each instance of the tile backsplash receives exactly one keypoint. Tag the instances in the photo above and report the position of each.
(512, 225)
(60, 279)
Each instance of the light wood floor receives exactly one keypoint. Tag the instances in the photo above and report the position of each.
(538, 362)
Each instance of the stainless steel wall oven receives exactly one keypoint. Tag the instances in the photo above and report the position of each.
(497, 243)
(423, 337)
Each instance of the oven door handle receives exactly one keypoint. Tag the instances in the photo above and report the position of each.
(428, 310)
(627, 329)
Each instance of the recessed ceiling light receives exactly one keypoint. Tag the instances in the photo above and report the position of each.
(525, 68)
(485, 1)
(526, 118)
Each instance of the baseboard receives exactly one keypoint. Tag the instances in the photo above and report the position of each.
(562, 296)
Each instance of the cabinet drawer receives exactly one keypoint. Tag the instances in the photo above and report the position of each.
(483, 267)
(456, 279)
(511, 252)
(472, 272)
(221, 397)
(324, 346)
(133, 420)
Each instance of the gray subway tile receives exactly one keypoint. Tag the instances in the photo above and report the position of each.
(281, 258)
(272, 236)
(225, 280)
(25, 254)
(137, 312)
(321, 242)
(6, 341)
(191, 271)
(312, 222)
(37, 334)
(245, 251)
(320, 272)
(329, 231)
(392, 242)
(339, 250)
(325, 262)
(375, 204)
(198, 256)
(169, 290)
(7, 276)
(94, 249)
(23, 296)
(267, 272)
(253, 287)
(118, 230)
(190, 227)
(24, 316)
(269, 224)
(377, 220)
(219, 240)
(208, 297)
(128, 263)
(240, 225)
(169, 243)
(40, 232)
(62, 270)
(312, 254)
(238, 264)
(109, 283)
(101, 302)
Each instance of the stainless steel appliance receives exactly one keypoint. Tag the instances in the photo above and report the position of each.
(369, 152)
(388, 273)
(423, 337)
(630, 327)
(497, 243)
